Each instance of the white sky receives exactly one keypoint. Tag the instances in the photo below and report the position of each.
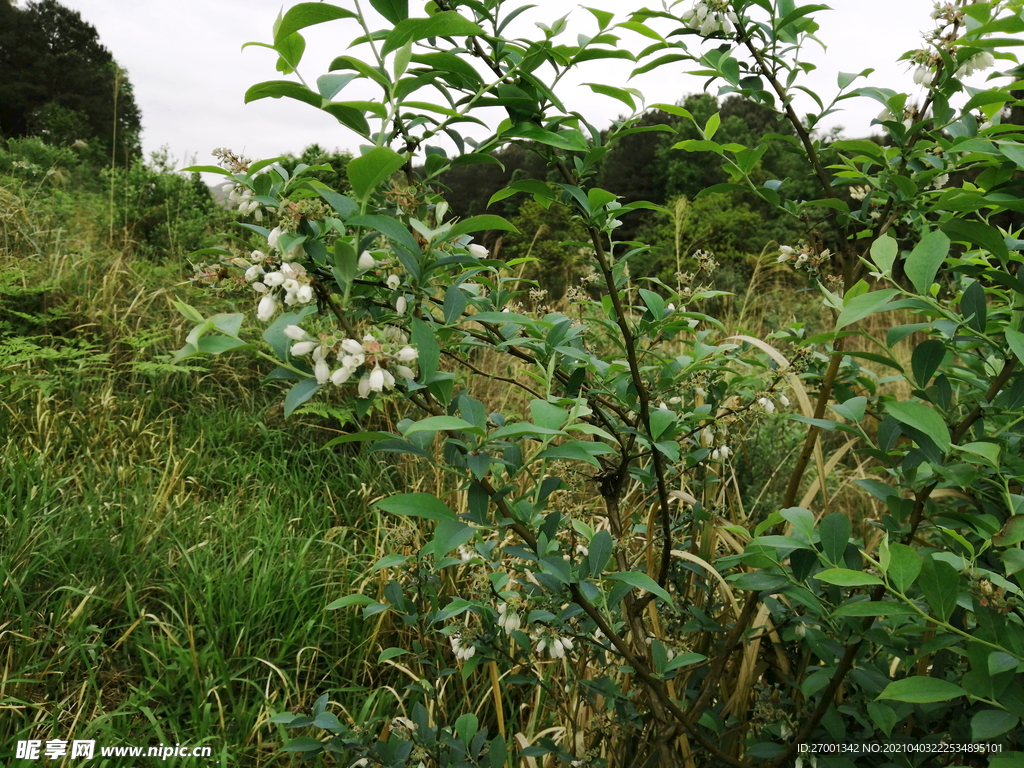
(185, 62)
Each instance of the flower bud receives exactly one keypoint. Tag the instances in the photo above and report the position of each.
(295, 333)
(477, 251)
(301, 348)
(407, 354)
(401, 305)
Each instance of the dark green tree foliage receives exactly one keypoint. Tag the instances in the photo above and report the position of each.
(59, 83)
(471, 186)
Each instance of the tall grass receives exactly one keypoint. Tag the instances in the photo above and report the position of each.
(167, 542)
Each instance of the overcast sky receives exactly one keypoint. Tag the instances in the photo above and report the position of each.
(185, 62)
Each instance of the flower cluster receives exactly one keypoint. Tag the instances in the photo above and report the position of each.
(804, 258)
(289, 283)
(711, 17)
(977, 63)
(242, 197)
(555, 644)
(509, 619)
(367, 361)
(462, 652)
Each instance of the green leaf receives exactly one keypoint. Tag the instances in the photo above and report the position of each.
(974, 308)
(921, 690)
(924, 261)
(570, 139)
(299, 394)
(390, 227)
(443, 423)
(711, 126)
(425, 341)
(925, 360)
(642, 581)
(923, 418)
(394, 11)
(303, 744)
(844, 577)
(445, 24)
(598, 552)
(660, 421)
(802, 521)
(306, 15)
(577, 450)
(275, 89)
(390, 653)
(345, 602)
(872, 608)
(1015, 341)
(621, 94)
(290, 49)
(883, 716)
(990, 723)
(449, 535)
(1011, 533)
(523, 429)
(417, 505)
(498, 753)
(904, 566)
(466, 727)
(940, 583)
(478, 224)
(367, 171)
(454, 304)
(547, 414)
(834, 531)
(447, 62)
(861, 306)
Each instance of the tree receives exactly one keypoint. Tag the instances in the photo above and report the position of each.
(56, 79)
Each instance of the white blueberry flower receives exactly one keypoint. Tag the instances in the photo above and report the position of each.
(366, 261)
(405, 372)
(295, 333)
(353, 361)
(407, 354)
(352, 347)
(322, 371)
(273, 279)
(977, 63)
(301, 348)
(363, 387)
(253, 273)
(259, 287)
(304, 294)
(509, 620)
(341, 375)
(477, 251)
(924, 75)
(463, 652)
(401, 305)
(768, 405)
(266, 308)
(394, 281)
(784, 400)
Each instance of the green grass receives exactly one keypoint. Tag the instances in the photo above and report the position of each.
(166, 575)
(168, 541)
